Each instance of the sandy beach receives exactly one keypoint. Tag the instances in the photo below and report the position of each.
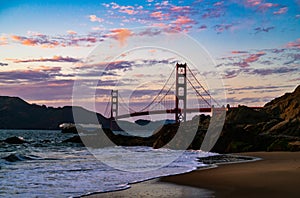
(276, 175)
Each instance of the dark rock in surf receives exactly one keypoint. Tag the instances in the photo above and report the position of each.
(74, 139)
(15, 140)
(16, 158)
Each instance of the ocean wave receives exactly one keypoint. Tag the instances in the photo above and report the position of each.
(19, 157)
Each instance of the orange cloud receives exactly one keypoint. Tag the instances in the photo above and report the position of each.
(121, 35)
(72, 32)
(29, 42)
(16, 38)
(94, 18)
(3, 40)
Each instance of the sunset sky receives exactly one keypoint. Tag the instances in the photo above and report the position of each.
(44, 45)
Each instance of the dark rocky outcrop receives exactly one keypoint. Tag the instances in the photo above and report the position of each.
(276, 127)
(14, 140)
(286, 107)
(68, 128)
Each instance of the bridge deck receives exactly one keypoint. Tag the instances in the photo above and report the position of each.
(172, 111)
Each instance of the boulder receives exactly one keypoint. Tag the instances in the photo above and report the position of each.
(15, 140)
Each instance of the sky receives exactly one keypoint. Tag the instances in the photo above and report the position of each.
(46, 46)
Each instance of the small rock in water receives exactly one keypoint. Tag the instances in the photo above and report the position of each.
(15, 158)
(15, 140)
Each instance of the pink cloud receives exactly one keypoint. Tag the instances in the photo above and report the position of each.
(130, 10)
(39, 40)
(53, 59)
(253, 2)
(183, 20)
(248, 3)
(265, 6)
(250, 59)
(295, 44)
(94, 18)
(58, 41)
(159, 15)
(180, 8)
(254, 57)
(281, 11)
(162, 25)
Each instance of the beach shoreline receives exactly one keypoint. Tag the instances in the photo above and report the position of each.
(277, 174)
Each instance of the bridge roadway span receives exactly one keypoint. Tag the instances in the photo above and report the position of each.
(189, 110)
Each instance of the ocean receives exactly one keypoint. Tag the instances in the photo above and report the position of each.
(47, 167)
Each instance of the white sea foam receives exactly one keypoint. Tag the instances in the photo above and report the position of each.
(62, 170)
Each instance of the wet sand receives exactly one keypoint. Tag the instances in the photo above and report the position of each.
(276, 175)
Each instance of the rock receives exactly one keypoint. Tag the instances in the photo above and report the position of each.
(245, 115)
(15, 140)
(286, 107)
(68, 128)
(142, 122)
(278, 145)
(287, 127)
(74, 139)
(294, 146)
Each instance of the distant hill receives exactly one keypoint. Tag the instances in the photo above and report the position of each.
(15, 113)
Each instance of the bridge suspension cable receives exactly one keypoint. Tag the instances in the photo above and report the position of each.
(202, 87)
(126, 106)
(199, 93)
(106, 112)
(165, 94)
(147, 106)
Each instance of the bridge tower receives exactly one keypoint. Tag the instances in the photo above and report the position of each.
(181, 92)
(114, 109)
(114, 104)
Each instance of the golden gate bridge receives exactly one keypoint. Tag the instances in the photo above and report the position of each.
(173, 103)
